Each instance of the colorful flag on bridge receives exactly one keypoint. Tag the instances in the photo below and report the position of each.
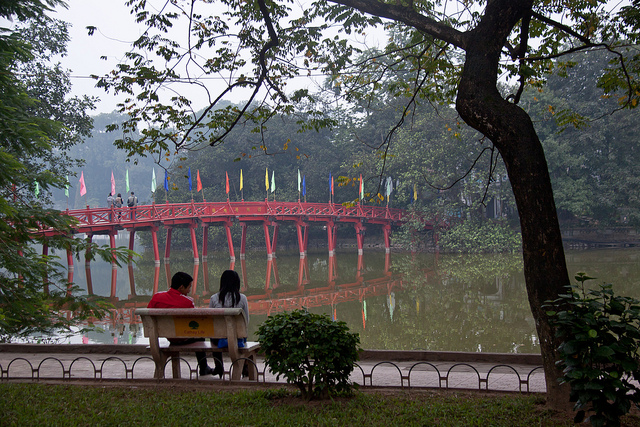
(226, 185)
(273, 181)
(361, 188)
(126, 182)
(66, 187)
(153, 181)
(36, 190)
(241, 184)
(330, 183)
(415, 192)
(166, 180)
(113, 185)
(266, 179)
(299, 180)
(304, 185)
(83, 188)
(189, 174)
(198, 182)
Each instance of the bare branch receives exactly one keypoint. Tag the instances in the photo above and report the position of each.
(473, 165)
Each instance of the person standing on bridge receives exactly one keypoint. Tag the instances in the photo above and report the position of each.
(176, 297)
(229, 296)
(132, 202)
(118, 202)
(110, 201)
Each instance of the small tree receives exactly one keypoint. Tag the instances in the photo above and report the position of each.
(600, 334)
(310, 351)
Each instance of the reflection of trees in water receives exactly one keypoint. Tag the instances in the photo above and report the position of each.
(446, 307)
(620, 267)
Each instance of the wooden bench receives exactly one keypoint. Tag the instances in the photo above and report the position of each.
(228, 323)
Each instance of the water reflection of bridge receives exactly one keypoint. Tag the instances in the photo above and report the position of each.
(274, 297)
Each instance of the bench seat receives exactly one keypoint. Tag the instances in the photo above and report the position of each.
(228, 323)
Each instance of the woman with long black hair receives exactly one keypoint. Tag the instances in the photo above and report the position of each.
(229, 296)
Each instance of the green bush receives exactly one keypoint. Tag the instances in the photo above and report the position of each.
(310, 351)
(481, 236)
(600, 344)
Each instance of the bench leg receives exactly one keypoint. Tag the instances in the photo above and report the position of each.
(253, 369)
(175, 366)
(160, 362)
(236, 369)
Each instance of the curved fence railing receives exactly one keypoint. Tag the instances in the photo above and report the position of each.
(406, 375)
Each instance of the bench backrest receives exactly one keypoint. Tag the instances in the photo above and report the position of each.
(193, 322)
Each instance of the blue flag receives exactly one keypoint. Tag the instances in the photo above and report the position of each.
(189, 172)
(304, 185)
(166, 181)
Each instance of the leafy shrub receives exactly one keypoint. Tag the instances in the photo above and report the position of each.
(600, 335)
(475, 236)
(310, 351)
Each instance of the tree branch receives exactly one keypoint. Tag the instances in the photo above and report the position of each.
(409, 16)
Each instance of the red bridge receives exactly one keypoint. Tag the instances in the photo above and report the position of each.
(108, 221)
(105, 221)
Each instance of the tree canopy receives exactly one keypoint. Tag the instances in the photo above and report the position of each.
(38, 124)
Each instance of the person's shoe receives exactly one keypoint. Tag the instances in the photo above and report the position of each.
(218, 370)
(206, 370)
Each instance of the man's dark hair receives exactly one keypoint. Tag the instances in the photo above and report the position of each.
(180, 279)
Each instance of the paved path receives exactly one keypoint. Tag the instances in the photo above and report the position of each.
(372, 371)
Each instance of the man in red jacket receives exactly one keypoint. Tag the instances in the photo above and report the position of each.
(176, 297)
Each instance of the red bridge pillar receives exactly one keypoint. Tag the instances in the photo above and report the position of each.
(227, 228)
(114, 266)
(271, 244)
(69, 266)
(156, 250)
(87, 265)
(386, 229)
(194, 244)
(303, 231)
(205, 242)
(360, 229)
(243, 240)
(167, 246)
(331, 237)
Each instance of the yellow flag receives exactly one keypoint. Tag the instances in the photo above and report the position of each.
(240, 179)
(415, 192)
(266, 179)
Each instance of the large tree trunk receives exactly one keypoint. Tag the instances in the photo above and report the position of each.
(511, 131)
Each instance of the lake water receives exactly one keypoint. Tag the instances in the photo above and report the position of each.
(397, 301)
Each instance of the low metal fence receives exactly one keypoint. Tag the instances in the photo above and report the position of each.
(405, 375)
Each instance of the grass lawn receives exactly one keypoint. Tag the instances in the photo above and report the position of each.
(24, 404)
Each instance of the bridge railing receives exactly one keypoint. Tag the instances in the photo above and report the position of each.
(168, 211)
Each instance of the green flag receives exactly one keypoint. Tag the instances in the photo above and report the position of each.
(299, 180)
(153, 181)
(273, 181)
(66, 187)
(36, 191)
(126, 180)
